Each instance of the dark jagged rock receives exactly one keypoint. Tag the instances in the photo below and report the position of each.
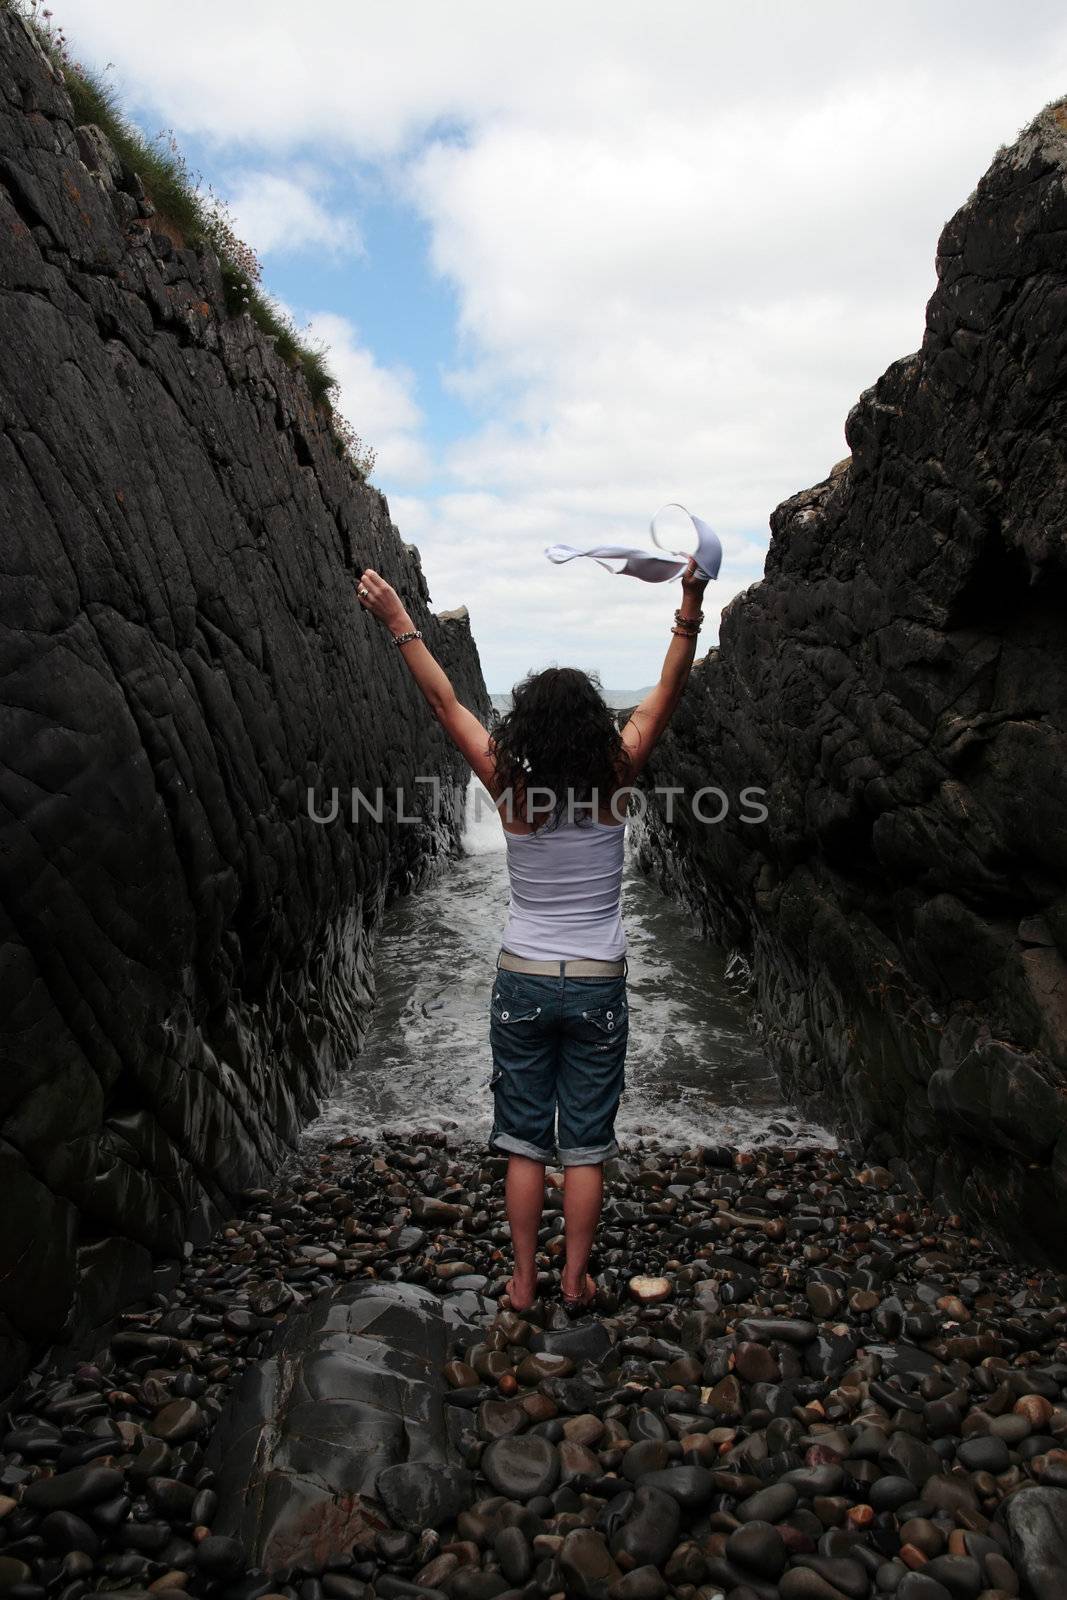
(346, 1410)
(897, 687)
(184, 951)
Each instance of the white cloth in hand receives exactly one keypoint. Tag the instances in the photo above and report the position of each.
(636, 561)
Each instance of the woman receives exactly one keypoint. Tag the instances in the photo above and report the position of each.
(559, 770)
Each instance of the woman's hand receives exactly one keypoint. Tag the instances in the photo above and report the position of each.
(694, 581)
(379, 597)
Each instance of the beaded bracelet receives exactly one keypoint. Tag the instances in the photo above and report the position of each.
(406, 638)
(697, 620)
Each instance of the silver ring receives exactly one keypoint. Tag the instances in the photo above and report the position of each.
(363, 593)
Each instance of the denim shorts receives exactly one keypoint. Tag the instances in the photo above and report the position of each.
(559, 1050)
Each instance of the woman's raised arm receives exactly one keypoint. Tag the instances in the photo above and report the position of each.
(648, 720)
(468, 735)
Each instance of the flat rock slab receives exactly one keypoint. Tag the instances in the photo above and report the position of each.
(350, 1389)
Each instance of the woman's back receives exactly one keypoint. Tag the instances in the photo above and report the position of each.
(566, 891)
(559, 1014)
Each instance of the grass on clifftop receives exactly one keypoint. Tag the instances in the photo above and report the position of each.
(197, 215)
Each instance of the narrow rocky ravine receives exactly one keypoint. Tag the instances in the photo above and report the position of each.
(798, 1383)
(804, 1376)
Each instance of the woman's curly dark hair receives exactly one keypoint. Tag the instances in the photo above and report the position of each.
(559, 735)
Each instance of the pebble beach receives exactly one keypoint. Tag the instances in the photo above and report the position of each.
(797, 1383)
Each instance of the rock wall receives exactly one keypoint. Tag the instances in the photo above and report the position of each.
(897, 683)
(184, 952)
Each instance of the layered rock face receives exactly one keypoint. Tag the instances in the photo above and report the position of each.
(897, 683)
(184, 952)
(344, 1414)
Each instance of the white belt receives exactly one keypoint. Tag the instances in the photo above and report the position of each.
(572, 967)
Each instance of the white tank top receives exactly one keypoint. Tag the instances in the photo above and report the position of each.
(566, 892)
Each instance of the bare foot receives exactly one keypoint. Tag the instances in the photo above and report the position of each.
(521, 1293)
(584, 1297)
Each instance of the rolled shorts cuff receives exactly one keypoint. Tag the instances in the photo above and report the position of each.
(592, 1155)
(520, 1147)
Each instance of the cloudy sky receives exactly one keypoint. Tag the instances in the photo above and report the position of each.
(576, 260)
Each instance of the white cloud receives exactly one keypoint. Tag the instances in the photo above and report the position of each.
(378, 401)
(376, 75)
(682, 240)
(282, 213)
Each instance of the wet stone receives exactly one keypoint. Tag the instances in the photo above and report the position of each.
(173, 1497)
(768, 1505)
(521, 1468)
(514, 1554)
(917, 1586)
(84, 1486)
(460, 1375)
(984, 1455)
(391, 1587)
(265, 1299)
(649, 1530)
(691, 1486)
(650, 1455)
(650, 1291)
(63, 1531)
(220, 1557)
(572, 1395)
(790, 1330)
(420, 1495)
(726, 1398)
(961, 1575)
(890, 1492)
(498, 1419)
(756, 1363)
(545, 1364)
(758, 1548)
(811, 1481)
(824, 1300)
(178, 1421)
(915, 1459)
(647, 1424)
(577, 1461)
(848, 1577)
(435, 1574)
(801, 1583)
(586, 1564)
(350, 1387)
(1036, 1519)
(588, 1341)
(586, 1428)
(642, 1583)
